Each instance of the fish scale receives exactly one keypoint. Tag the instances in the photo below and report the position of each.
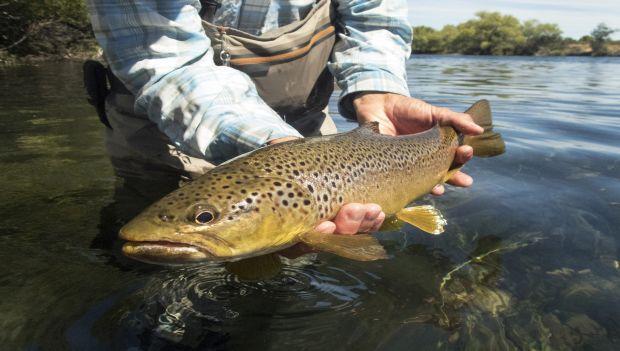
(273, 197)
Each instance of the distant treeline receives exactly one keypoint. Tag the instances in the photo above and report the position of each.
(492, 33)
(60, 29)
(44, 28)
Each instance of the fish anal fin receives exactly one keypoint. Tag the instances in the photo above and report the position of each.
(359, 247)
(426, 218)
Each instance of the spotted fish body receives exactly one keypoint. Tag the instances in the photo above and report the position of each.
(266, 200)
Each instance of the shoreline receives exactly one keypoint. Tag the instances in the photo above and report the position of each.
(7, 60)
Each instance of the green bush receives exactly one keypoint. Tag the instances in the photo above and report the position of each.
(492, 33)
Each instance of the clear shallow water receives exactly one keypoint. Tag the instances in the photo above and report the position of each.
(529, 259)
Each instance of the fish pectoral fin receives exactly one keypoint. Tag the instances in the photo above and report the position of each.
(426, 217)
(359, 247)
(256, 268)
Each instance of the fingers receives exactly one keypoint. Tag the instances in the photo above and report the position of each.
(460, 179)
(358, 218)
(439, 189)
(378, 223)
(460, 121)
(463, 154)
(327, 227)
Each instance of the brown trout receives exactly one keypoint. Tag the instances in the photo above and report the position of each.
(273, 197)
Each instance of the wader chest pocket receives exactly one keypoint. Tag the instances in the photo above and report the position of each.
(287, 64)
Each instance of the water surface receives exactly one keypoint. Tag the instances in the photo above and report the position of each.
(529, 259)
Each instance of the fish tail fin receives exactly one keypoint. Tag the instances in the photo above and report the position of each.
(489, 143)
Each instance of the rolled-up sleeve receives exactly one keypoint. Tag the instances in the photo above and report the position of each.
(160, 51)
(371, 54)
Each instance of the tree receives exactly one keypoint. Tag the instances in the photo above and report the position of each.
(540, 37)
(490, 34)
(600, 37)
(426, 40)
(28, 27)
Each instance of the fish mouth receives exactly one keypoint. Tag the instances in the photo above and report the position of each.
(165, 252)
(152, 243)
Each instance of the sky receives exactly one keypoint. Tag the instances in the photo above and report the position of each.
(575, 17)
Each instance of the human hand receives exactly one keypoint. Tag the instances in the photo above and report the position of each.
(352, 218)
(399, 115)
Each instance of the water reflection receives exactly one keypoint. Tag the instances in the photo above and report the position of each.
(529, 259)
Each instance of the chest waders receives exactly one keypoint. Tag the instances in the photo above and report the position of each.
(287, 65)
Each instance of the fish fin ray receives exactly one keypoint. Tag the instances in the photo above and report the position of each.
(366, 127)
(256, 268)
(426, 218)
(359, 247)
(489, 143)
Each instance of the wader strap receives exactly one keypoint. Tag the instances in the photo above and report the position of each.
(116, 85)
(96, 86)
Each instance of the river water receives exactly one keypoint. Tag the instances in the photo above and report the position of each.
(529, 259)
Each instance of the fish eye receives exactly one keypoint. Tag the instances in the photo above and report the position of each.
(204, 217)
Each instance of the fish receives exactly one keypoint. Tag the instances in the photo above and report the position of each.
(273, 197)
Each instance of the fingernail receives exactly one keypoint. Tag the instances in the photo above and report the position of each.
(469, 181)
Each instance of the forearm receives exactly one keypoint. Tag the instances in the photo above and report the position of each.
(372, 55)
(161, 53)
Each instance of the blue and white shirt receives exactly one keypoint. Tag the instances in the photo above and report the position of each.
(159, 50)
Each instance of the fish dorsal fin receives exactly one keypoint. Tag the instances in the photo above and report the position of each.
(360, 247)
(372, 127)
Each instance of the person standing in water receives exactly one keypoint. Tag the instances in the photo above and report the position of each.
(195, 83)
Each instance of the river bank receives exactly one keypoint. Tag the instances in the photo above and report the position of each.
(91, 50)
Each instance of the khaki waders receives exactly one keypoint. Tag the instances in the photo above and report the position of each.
(287, 64)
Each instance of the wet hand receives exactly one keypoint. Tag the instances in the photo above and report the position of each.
(399, 115)
(352, 218)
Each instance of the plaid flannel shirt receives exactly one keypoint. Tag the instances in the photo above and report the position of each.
(159, 50)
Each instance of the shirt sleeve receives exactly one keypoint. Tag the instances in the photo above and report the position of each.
(160, 51)
(371, 54)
